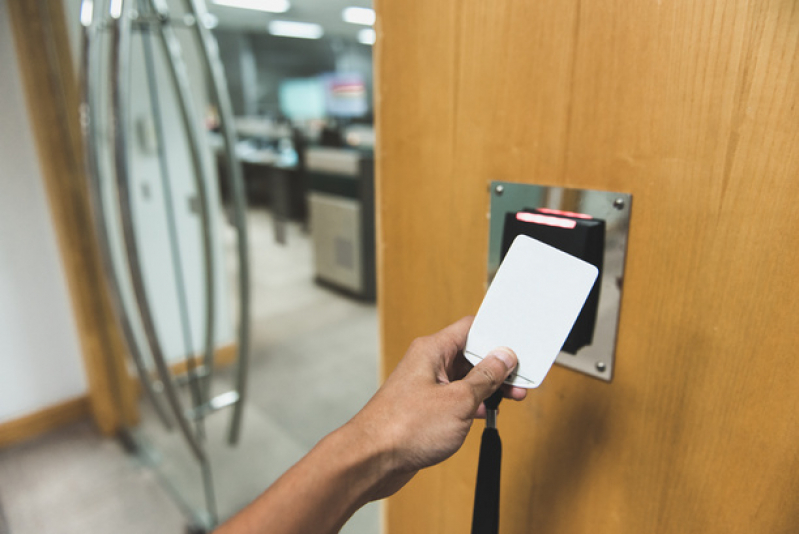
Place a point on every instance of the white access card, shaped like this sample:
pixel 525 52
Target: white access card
pixel 531 306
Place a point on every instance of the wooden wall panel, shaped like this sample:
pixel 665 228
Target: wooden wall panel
pixel 692 108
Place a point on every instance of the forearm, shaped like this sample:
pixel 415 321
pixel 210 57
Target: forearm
pixel 321 492
pixel 420 417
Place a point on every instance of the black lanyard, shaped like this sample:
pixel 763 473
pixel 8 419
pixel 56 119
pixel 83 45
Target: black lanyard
pixel 485 517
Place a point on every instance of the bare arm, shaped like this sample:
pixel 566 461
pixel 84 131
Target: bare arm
pixel 419 418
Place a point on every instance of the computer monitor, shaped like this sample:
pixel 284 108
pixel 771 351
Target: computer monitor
pixel 303 98
pixel 345 95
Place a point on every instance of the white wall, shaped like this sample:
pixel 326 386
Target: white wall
pixel 40 361
pixel 40 358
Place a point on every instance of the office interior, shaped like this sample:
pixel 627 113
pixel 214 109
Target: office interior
pixel 380 168
pixel 302 118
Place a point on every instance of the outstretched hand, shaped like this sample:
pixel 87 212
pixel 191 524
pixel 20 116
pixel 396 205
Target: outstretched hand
pixel 425 409
pixel 419 418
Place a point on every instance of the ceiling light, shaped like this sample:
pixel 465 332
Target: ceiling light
pixel 115 9
pixel 359 15
pixel 366 36
pixel 86 13
pixel 302 30
pixel 272 6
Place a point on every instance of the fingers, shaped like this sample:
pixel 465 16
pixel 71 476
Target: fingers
pixel 450 341
pixel 456 332
pixel 509 392
pixel 513 392
pixel 488 375
pixel 460 327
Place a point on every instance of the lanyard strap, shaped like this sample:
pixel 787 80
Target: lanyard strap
pixel 485 517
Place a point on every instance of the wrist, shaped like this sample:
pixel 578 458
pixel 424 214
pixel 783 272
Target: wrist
pixel 366 459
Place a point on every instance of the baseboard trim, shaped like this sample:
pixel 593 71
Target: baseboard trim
pixel 43 421
pixel 223 356
pixel 50 418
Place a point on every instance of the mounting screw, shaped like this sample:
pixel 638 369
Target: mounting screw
pixel 618 203
pixel 499 190
pixel 601 367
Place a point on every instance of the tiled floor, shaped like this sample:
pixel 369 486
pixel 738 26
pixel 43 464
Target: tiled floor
pixel 73 481
pixel 314 365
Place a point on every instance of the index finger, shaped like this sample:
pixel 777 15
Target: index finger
pixel 453 337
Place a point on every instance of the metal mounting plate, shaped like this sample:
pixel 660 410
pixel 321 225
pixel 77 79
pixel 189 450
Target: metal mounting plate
pixel 598 359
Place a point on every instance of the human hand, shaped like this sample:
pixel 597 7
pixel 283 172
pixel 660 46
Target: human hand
pixel 419 417
pixel 423 412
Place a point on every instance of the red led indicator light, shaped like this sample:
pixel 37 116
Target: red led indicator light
pixel 565 213
pixel 546 219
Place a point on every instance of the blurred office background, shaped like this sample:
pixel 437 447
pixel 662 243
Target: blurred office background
pixel 300 81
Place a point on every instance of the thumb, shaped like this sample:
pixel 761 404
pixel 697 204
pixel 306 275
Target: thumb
pixel 486 377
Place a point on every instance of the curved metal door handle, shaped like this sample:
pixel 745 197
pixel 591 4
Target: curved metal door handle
pixel 120 56
pixel 90 64
pixel 219 90
pixel 180 81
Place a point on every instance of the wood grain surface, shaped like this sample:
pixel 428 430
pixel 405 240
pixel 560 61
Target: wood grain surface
pixel 692 108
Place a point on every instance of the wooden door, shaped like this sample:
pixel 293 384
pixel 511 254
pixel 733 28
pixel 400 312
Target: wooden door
pixel 693 108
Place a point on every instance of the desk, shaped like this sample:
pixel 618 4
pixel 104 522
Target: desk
pixel 269 180
pixel 341 205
